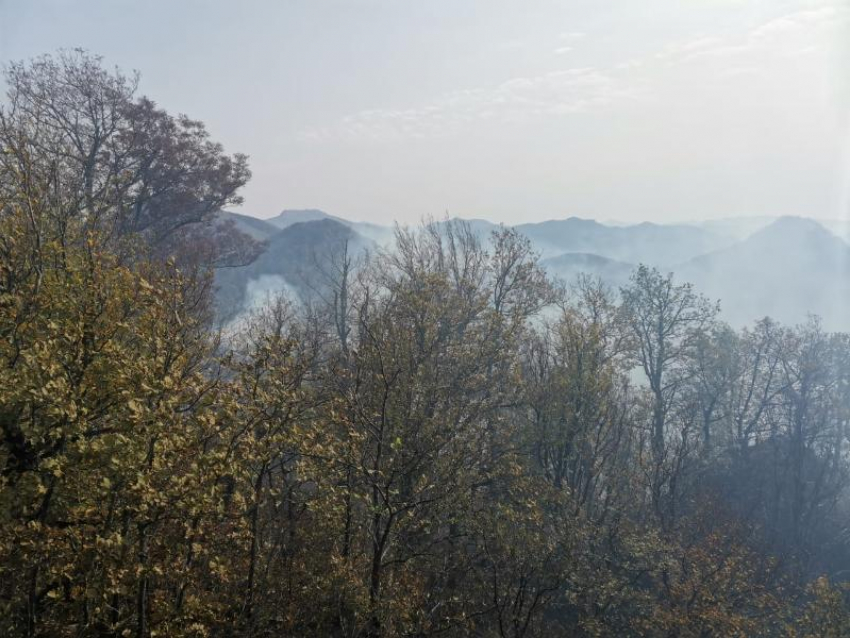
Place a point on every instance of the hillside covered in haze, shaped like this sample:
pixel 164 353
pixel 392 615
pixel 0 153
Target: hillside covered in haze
pixel 786 268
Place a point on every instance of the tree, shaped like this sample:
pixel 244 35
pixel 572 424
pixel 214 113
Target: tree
pixel 826 615
pixel 666 320
pixel 115 162
pixel 578 397
pixel 111 445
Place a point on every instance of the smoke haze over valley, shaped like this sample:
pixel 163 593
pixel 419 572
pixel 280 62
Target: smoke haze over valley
pixel 787 267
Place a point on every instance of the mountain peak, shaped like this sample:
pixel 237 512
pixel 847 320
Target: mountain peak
pixel 797 233
pixel 791 222
pixel 302 212
pixel 289 217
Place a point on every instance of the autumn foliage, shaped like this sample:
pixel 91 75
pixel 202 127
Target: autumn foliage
pixel 452 445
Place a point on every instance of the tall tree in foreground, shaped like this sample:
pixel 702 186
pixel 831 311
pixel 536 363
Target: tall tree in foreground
pixel 110 499
pixel 112 454
pixel 115 163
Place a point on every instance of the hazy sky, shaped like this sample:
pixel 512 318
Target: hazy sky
pixel 509 110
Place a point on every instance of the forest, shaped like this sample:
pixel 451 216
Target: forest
pixel 444 442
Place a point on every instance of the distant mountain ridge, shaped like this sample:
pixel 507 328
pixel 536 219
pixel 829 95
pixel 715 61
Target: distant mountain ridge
pixel 255 228
pixel 649 243
pixel 375 232
pixel 783 267
pixel 287 218
pixel 654 244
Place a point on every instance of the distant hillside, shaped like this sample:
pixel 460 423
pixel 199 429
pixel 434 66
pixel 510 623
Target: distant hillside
pixel 292 262
pixel 379 234
pixel 289 217
pixel 255 228
pixel 738 228
pixel 742 227
pixel 786 270
pixel 654 244
pixel 570 265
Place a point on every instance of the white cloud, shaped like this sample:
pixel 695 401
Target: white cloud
pixel 795 32
pixel 578 90
pixel 814 18
pixel 683 49
pixel 555 93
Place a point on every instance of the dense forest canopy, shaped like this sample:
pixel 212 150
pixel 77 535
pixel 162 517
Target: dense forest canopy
pixel 445 442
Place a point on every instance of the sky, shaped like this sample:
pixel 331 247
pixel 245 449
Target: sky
pixel 508 110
